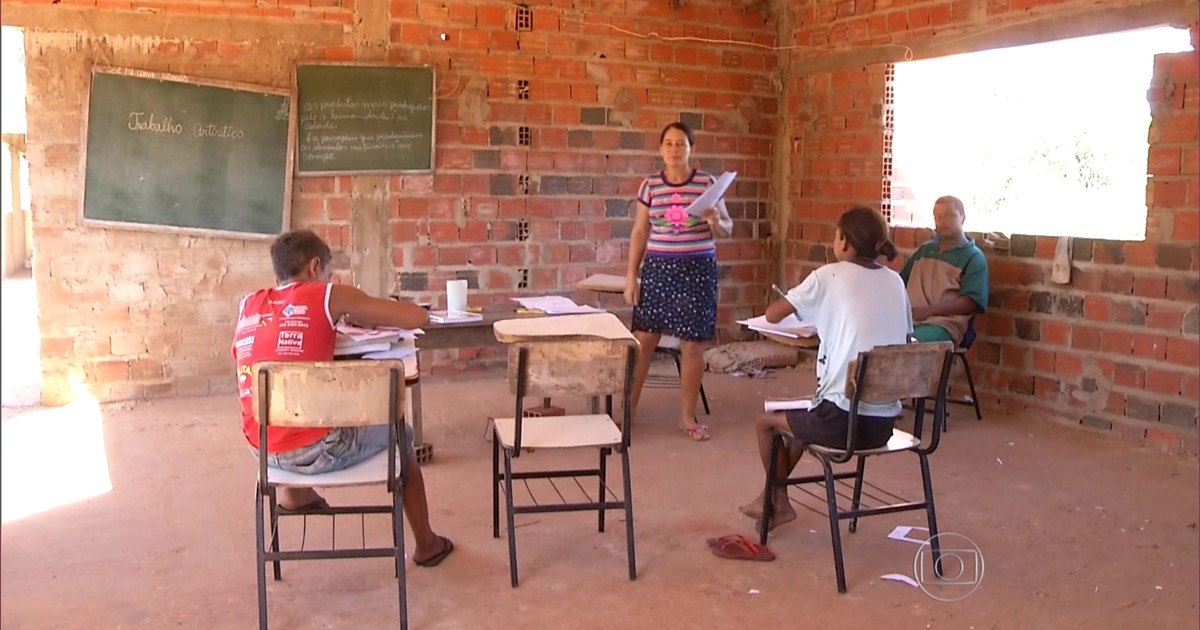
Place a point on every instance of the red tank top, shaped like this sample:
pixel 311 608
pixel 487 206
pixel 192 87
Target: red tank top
pixel 287 323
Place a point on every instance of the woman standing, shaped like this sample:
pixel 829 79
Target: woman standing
pixel 677 258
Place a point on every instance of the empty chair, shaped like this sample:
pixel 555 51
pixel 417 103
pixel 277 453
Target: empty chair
pixel 591 367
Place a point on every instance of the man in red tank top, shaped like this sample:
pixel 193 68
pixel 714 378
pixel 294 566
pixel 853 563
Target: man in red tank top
pixel 295 322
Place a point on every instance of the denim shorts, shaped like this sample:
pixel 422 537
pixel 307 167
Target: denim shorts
pixel 341 448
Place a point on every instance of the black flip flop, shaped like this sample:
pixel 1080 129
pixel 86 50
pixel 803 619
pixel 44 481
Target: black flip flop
pixel 447 547
pixel 319 504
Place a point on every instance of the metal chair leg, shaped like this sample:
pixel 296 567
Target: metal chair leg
pixel 835 530
pixel 512 532
pixel 857 498
pixel 931 513
pixel 971 385
pixel 260 539
pixel 704 398
pixel 401 577
pixel 768 506
pixel 601 495
pixel 278 573
pixel 629 546
pixel 495 486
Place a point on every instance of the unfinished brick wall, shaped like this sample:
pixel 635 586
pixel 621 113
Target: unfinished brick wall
pixel 1116 349
pixel 140 314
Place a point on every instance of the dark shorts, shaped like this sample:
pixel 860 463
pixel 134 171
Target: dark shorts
pixel 827 425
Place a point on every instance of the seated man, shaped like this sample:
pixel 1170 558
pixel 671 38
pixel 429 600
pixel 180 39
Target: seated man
pixel 295 322
pixel 947 277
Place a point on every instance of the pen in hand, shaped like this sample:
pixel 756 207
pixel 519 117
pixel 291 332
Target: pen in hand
pixel 779 292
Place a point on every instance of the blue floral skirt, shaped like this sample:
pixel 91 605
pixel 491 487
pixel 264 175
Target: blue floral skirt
pixel 678 297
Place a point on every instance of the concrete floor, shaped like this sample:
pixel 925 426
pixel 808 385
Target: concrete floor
pixel 140 516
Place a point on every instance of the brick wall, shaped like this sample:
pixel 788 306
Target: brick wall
pixel 1116 350
pixel 141 314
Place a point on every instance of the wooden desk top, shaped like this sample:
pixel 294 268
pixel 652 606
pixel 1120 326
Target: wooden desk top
pixel 603 325
pixel 491 314
pixel 602 283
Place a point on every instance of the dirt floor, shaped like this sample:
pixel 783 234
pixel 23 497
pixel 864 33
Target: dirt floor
pixel 141 516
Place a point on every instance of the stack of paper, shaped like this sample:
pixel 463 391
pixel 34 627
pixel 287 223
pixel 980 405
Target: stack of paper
pixel 556 305
pixel 712 195
pixel 790 326
pixel 358 340
pixel 455 317
pixel 784 405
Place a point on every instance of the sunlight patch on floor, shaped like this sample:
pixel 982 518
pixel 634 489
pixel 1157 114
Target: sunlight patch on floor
pixel 52 457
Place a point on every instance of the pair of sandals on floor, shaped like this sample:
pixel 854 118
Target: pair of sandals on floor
pixel 320 505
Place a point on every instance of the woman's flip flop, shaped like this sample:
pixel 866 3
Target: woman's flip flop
pixel 698 432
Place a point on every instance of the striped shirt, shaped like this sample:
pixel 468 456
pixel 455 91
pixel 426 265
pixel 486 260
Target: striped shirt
pixel 674 232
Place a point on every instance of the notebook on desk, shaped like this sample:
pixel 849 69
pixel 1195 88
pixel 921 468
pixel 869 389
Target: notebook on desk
pixel 456 317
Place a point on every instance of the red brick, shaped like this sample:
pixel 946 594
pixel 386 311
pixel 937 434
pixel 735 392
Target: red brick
pixel 1130 375
pixel 1190 386
pixel 448 255
pixel 1147 346
pixel 1163 381
pixel 1141 254
pixel 1116 403
pixel 1068 365
pixel 1043 360
pixel 1116 341
pixel 1015 356
pixel 424 257
pixel 1183 351
pixel 1085 338
pixel 489 16
pixel 1164 161
pixel 1165 315
pixel 1187 226
pixel 1165 439
pixel 1056 332
pixel 339 208
pixel 1149 286
pixel 1168 194
pixel 338 53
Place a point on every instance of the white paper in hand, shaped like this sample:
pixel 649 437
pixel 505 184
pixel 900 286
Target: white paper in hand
pixel 712 195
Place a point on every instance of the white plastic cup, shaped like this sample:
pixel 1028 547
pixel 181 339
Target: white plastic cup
pixel 456 296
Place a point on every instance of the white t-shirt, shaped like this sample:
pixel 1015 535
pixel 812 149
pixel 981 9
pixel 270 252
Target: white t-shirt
pixel 854 309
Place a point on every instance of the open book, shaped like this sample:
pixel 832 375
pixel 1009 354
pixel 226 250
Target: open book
pixel 790 326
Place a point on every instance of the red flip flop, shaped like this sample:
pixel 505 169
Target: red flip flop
pixel 742 548
pixel 713 542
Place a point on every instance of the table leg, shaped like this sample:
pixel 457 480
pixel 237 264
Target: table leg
pixel 424 451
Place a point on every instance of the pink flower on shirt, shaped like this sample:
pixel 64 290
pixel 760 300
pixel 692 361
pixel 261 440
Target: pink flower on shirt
pixel 676 213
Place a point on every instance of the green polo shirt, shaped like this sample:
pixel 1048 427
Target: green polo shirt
pixel 933 276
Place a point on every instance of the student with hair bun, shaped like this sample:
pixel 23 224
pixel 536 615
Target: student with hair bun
pixel 856 304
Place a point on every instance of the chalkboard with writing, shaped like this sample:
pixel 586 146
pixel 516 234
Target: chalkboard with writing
pixel 176 154
pixel 364 119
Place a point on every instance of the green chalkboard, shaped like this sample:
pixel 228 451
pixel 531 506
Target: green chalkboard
pixel 364 119
pixel 171 153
